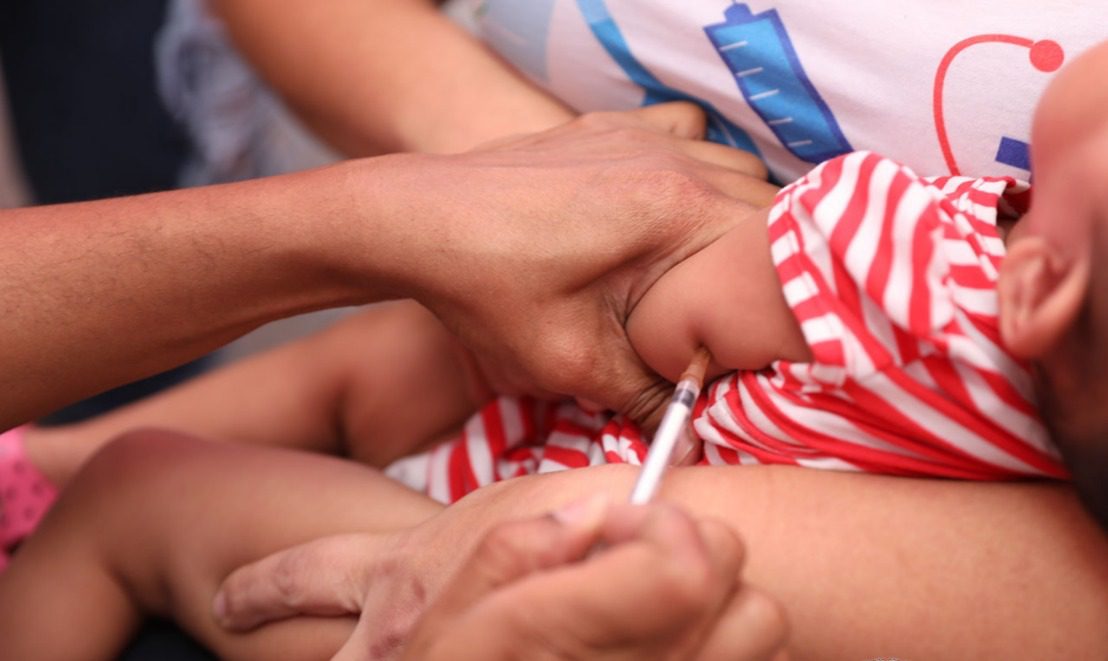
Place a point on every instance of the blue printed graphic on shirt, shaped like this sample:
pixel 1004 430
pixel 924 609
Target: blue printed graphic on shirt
pixel 1015 153
pixel 519 31
pixel 604 28
pixel 757 50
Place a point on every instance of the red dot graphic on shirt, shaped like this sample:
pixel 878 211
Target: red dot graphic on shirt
pixel 1046 55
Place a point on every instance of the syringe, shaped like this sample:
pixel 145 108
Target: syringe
pixel 671 430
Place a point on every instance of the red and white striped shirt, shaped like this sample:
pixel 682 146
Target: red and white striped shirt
pixel 893 280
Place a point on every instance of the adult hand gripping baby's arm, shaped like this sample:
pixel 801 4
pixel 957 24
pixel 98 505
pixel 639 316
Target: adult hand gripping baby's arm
pixel 542 301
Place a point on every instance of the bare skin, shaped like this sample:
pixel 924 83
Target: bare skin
pixel 349 75
pixel 201 267
pixel 681 313
pixel 1044 509
pixel 346 391
pixel 1041 291
pixel 1043 554
pixel 1053 283
pixel 126 539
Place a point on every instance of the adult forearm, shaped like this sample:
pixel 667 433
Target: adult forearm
pixel 100 293
pixel 592 213
pixel 871 566
pixel 386 75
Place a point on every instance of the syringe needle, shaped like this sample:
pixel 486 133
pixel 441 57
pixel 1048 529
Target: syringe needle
pixel 670 430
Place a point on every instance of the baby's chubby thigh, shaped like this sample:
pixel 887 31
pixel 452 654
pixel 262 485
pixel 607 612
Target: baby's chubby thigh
pixel 176 514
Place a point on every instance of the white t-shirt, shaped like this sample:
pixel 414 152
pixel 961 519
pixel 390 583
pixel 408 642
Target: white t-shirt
pixel 944 86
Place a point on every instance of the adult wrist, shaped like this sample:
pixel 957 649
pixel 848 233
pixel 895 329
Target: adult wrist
pixel 365 232
pixel 415 226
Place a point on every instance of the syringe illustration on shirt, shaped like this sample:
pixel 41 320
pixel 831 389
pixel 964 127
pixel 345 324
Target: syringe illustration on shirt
pixel 607 32
pixel 758 52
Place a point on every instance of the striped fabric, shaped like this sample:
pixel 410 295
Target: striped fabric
pixel 892 278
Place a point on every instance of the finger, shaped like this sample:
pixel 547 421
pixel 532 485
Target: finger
pixel 317 578
pixel 676 534
pixel 361 645
pixel 754 192
pixel 723 546
pixel 752 627
pixel 736 160
pixel 747 624
pixel 687 120
pixel 515 549
pixel 680 118
pixel 694 549
pixel 701 560
pixel 654 555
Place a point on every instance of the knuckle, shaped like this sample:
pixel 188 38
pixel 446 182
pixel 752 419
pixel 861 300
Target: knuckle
pixel 683 185
pixel 286 582
pixel 687 589
pixel 501 546
pixel 626 133
pixel 723 539
pixel 390 637
pixel 658 190
pixel 674 191
pixel 515 548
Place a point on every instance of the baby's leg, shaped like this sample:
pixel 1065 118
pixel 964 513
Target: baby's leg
pixel 157 519
pixel 374 386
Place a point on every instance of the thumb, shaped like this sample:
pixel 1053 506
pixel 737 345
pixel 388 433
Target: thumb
pixel 681 118
pixel 317 578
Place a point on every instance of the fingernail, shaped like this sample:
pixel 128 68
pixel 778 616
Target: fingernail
pixel 583 513
pixel 219 608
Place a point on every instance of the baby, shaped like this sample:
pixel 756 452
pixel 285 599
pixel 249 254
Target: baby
pixel 859 330
pixel 875 321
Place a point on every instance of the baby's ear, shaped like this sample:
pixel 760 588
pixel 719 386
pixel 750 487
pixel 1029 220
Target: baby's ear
pixel 1040 294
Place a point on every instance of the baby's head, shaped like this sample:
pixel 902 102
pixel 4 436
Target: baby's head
pixel 1054 281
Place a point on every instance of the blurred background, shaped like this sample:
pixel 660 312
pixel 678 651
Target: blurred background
pixel 101 98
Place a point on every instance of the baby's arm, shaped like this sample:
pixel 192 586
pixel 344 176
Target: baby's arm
pixel 871 566
pixel 728 298
pixel 376 386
